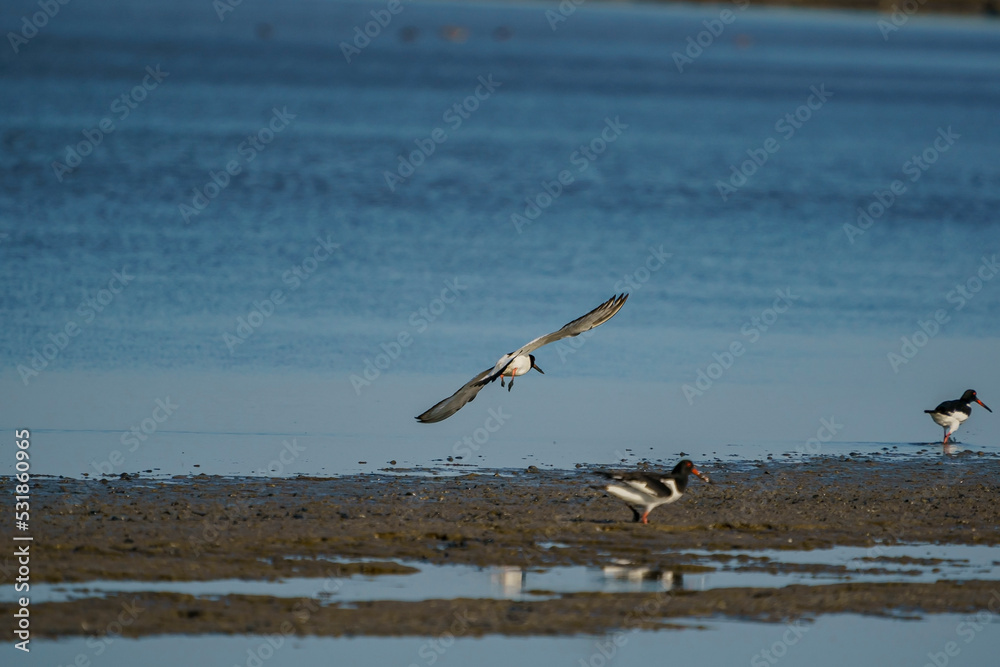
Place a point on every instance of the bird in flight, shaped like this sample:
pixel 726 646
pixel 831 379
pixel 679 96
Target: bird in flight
pixel 950 414
pixel 520 361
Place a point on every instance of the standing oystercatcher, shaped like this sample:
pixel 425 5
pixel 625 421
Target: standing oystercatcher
pixel 520 361
pixel 951 414
pixel 649 490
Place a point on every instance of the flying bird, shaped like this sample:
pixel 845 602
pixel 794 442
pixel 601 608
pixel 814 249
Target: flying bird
pixel 520 361
pixel 650 490
pixel 951 414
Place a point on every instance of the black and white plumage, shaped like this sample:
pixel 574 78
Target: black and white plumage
pixel 521 360
pixel 650 490
pixel 950 414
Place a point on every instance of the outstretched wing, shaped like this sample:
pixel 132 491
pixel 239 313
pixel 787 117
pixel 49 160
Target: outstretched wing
pixel 454 403
pixel 596 317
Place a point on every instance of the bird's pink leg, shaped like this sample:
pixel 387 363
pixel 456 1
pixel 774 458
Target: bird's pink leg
pixel 645 516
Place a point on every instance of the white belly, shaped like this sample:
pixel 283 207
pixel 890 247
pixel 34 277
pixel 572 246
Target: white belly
pixel 520 365
pixel 950 422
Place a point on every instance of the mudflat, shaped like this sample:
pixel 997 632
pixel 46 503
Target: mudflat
pixel 204 528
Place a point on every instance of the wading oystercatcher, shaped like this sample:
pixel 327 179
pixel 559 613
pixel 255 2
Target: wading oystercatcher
pixel 950 414
pixel 650 490
pixel 520 361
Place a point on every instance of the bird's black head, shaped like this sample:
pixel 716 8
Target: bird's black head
pixel 531 357
pixel 685 468
pixel 970 397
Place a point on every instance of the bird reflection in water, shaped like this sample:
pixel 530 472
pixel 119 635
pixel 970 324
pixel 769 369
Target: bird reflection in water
pixel 625 571
pixel 509 579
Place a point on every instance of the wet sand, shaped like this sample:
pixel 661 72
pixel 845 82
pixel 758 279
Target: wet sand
pixel 202 528
pixel 576 613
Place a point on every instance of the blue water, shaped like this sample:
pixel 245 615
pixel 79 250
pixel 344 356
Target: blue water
pixel 155 375
pixel 829 641
pixel 645 215
pixel 434 582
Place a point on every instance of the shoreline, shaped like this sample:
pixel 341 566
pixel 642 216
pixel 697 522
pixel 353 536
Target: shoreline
pixel 134 528
pixel 206 528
